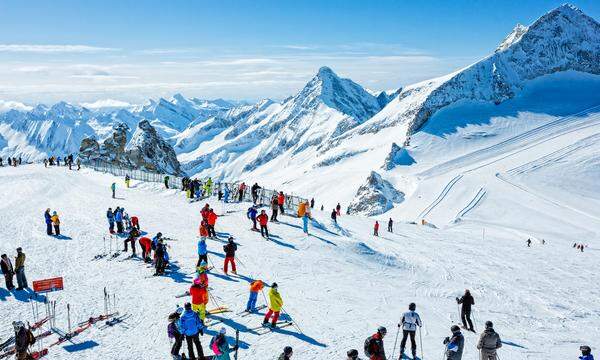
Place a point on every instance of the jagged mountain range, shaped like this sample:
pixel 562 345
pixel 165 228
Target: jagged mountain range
pixel 330 122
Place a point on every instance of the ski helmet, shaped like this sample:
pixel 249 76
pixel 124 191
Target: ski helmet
pixel 352 354
pixel 222 331
pixel 17 325
pixel 287 350
pixel 202 263
pixel 274 285
pixel 197 281
pixel 188 306
pixel 585 350
pixel 489 324
pixel 159 234
pixel 382 330
pixel 412 306
pixel 230 239
pixel 454 328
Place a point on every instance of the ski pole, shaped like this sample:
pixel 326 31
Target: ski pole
pixel 69 316
pixel 458 310
pixel 292 320
pixel 421 343
pixel 395 342
pixel 237 342
pixel 474 322
pixel 105 307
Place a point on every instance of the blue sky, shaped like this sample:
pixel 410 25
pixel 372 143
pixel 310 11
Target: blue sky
pixel 84 51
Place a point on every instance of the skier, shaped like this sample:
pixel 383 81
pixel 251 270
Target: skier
pixel 111 220
pixel 8 271
pixel 465 312
pixel 254 190
pixel 528 242
pixel 56 223
pixel 301 209
pixel 352 354
pixel 241 192
pixel 175 334
pixel 48 219
pixel 489 342
pixel 263 220
pixel 376 228
pixel 24 338
pixel 20 270
pixel 133 234
pixel 212 220
pixel 201 271
pixel 586 353
pixel 286 354
pixel 155 241
pixel 191 327
pixel 113 188
pixel 119 219
pixel 204 212
pixel 202 251
pixel 274 208
pixel 281 202
pixel 255 287
pixel 159 258
pixel 391 225
pixel 219 345
pixel 208 187
pixel 199 294
pixel 410 321
pixel 45 162
pixel 167 181
pixel 312 203
pixel 78 164
pixel 338 209
pixel 334 216
pixel 305 223
pixel 135 222
pixel 146 245
pixel 230 250
pixel 127 180
pixel 251 214
pixel 454 344
pixel 276 304
pixel 226 194
pixel 203 229
pixel 374 348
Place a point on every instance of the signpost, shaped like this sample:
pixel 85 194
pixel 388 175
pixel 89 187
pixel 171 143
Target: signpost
pixel 48 285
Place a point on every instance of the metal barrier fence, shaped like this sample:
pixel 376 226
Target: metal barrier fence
pixel 176 182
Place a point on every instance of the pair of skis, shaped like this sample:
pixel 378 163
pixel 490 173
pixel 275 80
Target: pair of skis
pixel 268 328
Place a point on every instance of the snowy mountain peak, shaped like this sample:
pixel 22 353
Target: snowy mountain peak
pixel 513 37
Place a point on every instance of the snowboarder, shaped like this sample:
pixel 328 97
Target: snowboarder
pixel 286 354
pixel 334 216
pixel 338 209
pixel 254 190
pixel 113 188
pixel 465 311
pixel 20 269
pixel 391 225
pixel 174 333
pixel 374 348
pixel 275 306
pixel 263 220
pixel 191 327
pixel 255 287
pixel 376 228
pixel 56 223
pixel 251 214
pixel 274 208
pixel 48 219
pixel 24 338
pixel 219 345
pixel 281 202
pixel 586 353
pixel 8 271
pixel 410 321
pixel 166 182
pixel 111 220
pixel 211 220
pixel 127 180
pixel 352 354
pixel 489 342
pixel 146 245
pixel 528 242
pixel 199 294
pixel 230 250
pixel 202 251
pixel 454 344
pixel 305 223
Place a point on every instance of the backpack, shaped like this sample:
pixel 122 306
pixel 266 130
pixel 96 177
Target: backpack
pixel 368 343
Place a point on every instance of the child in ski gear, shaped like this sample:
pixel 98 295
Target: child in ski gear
pixel 174 333
pixel 376 228
pixel 352 354
pixel 199 294
pixel 56 223
pixel 251 214
pixel 113 188
pixel 191 327
pixel 8 271
pixel 286 354
pixel 226 194
pixel 230 250
pixel 489 342
pixel 410 321
pixel 201 272
pixel 390 225
pixel 202 251
pixel 20 270
pixel 255 287
pixel 203 229
pixel 454 344
pixel 119 219
pixel 146 245
pixel 276 303
pixel 48 219
pixel 263 220
pixel 111 220
pixel 305 223
pixel 465 311
pixel 219 345
pixel 374 348
pixel 586 353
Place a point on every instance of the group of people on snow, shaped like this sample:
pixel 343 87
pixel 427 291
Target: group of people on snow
pixel 68 160
pixel 11 161
pixel 52 222
pixel 9 270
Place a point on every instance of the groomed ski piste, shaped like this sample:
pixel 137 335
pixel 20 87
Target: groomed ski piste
pixel 338 284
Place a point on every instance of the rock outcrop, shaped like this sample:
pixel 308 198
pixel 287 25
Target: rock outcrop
pixel 375 196
pixel 397 156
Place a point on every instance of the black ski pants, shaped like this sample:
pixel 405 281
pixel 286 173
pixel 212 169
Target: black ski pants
pixel 202 257
pixel 8 278
pixel 191 341
pixel 413 343
pixel 465 315
pixel 274 215
pixel 211 231
pixel 132 241
pixel 264 231
pixel 177 345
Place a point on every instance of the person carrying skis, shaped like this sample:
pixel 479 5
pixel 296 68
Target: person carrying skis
pixel 586 353
pixel 254 190
pixel 113 188
pixel 465 311
pixel 202 251
pixel 274 208
pixel 376 228
pixel 305 219
pixel 255 287
pixel 20 270
pixel 281 202
pixel 199 294
pixel 219 345
pixel 127 180
pixel 390 225
pixel 211 220
pixel 111 220
pixel 251 214
pixel 230 250
pixel 338 209
pixel 56 223
pixel 275 306
pixel 191 327
pixel 410 321
pixel 48 219
pixel 146 245
pixel 263 220
pixel 489 342
pixel 24 338
pixel 374 348
pixel 174 333
pixel 286 354
pixel 454 344
pixel 8 271
pixel 352 354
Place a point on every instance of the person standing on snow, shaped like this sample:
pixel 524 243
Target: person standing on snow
pixel 211 219
pixel 127 180
pixel 159 257
pixel 255 287
pixel 465 312
pixel 174 333
pixel 305 219
pixel 338 209
pixel 230 250
pixel 191 327
pixel 20 270
pixel 241 192
pixel 312 203
pixel 56 223
pixel 275 306
pixel 374 348
pixel 48 219
pixel 376 228
pixel 454 344
pixel 390 225
pixel 135 222
pixel 274 208
pixel 225 194
pixel 199 294
pixel 263 220
pixel 251 214
pixel 410 321
pixel 286 354
pixel 219 345
pixel 8 271
pixel 281 202
pixel 133 234
pixel 166 182
pixel 254 190
pixel 489 342
pixel 202 251
pixel 113 187
pixel 110 216
pixel 586 353
pixel 119 219
pixel 352 354
pixel 201 271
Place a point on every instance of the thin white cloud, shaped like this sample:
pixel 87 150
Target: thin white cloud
pixel 30 48
pixel 13 105
pixel 106 103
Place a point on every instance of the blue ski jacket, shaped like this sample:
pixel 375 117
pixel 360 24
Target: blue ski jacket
pixel 190 323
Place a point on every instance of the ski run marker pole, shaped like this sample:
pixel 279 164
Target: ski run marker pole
pixel 395 343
